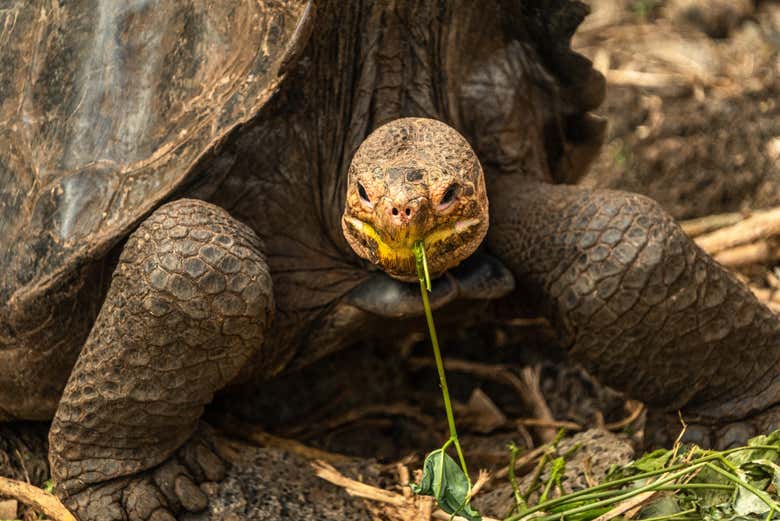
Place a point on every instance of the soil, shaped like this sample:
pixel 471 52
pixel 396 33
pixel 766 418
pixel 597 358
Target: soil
pixel 698 129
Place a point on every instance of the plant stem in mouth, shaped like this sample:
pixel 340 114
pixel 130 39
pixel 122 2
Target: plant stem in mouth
pixel 425 287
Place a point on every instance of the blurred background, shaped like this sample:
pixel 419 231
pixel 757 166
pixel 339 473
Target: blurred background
pixel 693 101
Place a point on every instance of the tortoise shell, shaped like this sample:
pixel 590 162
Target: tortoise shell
pixel 107 107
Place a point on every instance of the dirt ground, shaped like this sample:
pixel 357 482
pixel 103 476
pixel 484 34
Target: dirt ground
pixel 694 109
pixel 694 120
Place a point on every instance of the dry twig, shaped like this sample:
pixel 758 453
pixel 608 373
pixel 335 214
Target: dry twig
pixel 406 508
pixel 626 505
pixel 35 497
pixel 710 223
pixel 482 479
pixel 636 409
pixel 759 252
pixel 261 438
pixel 360 413
pixel 526 385
pixel 403 479
pixel 552 424
pixel 631 78
pixel 758 226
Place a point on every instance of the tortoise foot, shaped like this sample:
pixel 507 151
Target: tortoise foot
pixel 188 307
pixel 164 493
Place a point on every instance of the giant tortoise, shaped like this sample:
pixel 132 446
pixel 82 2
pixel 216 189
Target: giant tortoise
pixel 198 194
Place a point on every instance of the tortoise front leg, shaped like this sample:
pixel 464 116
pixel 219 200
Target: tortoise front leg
pixel 640 305
pixel 188 305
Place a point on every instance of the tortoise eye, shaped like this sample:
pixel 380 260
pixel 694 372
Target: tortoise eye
pixel 449 195
pixel 362 193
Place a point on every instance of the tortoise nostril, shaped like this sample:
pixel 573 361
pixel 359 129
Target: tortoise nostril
pixel 408 212
pixel 395 211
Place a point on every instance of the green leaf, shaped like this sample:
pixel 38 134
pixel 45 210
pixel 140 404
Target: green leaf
pixel 771 469
pixel 651 461
pixel 738 458
pixel 757 473
pixel 443 479
pixel 661 505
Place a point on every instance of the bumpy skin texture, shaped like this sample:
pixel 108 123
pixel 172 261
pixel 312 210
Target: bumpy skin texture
pixel 189 303
pixel 638 302
pixel 31 341
pixel 415 179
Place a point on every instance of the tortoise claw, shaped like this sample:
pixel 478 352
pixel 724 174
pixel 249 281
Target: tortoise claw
pixel 159 494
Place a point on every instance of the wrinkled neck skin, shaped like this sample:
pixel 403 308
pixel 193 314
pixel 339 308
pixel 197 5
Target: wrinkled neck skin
pixel 367 63
pixel 376 61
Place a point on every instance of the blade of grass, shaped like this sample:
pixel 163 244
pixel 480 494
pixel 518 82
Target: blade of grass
pixel 520 504
pixel 425 267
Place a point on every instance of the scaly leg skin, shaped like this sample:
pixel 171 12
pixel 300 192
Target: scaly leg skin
pixel 642 307
pixel 188 305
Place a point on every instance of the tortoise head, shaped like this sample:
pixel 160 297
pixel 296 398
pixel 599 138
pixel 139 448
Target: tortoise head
pixel 411 180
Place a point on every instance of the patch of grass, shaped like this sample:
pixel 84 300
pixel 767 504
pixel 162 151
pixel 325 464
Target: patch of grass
pixel 677 484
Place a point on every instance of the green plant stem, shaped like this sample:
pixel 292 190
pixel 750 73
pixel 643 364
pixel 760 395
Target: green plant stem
pixel 589 493
pixel 424 288
pixel 612 493
pixel 763 496
pixel 520 504
pixel 546 490
pixel 535 477
pixel 541 464
pixel 610 501
pixel 442 377
pixel 627 495
pixel 697 486
pixel 558 465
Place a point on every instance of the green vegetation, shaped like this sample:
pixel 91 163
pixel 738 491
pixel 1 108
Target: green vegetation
pixel 682 483
pixel 442 478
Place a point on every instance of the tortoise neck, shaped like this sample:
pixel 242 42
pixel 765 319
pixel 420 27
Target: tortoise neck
pixel 369 62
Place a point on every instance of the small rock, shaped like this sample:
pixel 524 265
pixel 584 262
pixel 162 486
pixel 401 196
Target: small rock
pixel 773 148
pixel 8 508
pixel 482 413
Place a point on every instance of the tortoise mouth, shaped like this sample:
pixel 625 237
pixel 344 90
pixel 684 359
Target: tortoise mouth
pixel 480 277
pixel 446 245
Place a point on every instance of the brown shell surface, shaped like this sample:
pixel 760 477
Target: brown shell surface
pixel 105 108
